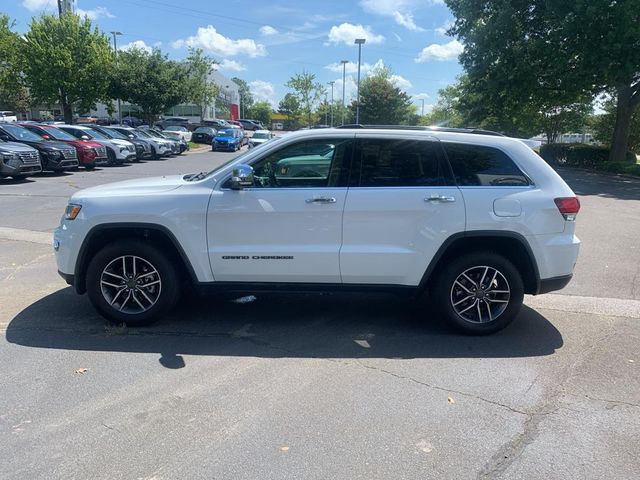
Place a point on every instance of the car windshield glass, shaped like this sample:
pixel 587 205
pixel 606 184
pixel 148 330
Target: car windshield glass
pixel 203 130
pixel 58 134
pixel 226 133
pixel 115 134
pixel 21 133
pixel 156 133
pixel 175 128
pixel 260 135
pixel 142 133
pixel 95 134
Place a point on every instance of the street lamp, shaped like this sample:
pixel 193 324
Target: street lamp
pixel 331 107
pixel 115 49
pixel 344 70
pixel 359 42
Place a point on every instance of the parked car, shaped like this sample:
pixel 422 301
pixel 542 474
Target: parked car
pixel 249 125
pixel 55 156
pixel 90 153
pixel 229 139
pixel 168 121
pixel 143 147
pixel 118 151
pixel 132 121
pixel 18 160
pixel 159 147
pixel 477 221
pixel 177 131
pixel 217 123
pixel 8 116
pixel 177 144
pixel 259 137
pixel 204 135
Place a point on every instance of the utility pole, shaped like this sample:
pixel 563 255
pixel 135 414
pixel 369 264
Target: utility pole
pixel 65 6
pixel 344 70
pixel 359 42
pixel 331 107
pixel 422 114
pixel 115 49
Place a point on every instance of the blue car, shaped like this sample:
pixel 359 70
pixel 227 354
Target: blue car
pixel 229 140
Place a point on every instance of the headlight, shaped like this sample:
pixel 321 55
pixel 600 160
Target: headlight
pixel 72 211
pixel 53 153
pixel 11 159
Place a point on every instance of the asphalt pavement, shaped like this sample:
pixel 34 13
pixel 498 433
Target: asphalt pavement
pixel 317 386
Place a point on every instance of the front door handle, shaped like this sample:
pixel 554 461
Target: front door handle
pixel 440 199
pixel 321 200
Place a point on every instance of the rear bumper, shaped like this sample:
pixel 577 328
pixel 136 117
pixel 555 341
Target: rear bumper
pixel 547 285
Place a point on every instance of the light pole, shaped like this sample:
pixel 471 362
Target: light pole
pixel 115 49
pixel 331 107
pixel 422 114
pixel 344 70
pixel 359 42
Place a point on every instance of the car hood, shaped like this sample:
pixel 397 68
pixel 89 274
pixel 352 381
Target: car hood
pixel 15 147
pixel 120 142
pixel 140 186
pixel 224 137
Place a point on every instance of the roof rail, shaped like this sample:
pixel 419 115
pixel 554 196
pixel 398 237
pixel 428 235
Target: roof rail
pixel 476 131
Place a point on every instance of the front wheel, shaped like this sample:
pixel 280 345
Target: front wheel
pixel 479 293
pixel 131 282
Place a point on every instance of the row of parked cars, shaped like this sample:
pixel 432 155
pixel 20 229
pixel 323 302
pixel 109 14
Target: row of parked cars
pixel 27 148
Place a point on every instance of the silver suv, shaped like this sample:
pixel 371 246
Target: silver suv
pixel 18 160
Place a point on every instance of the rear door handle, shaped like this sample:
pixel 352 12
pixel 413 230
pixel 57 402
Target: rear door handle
pixel 440 199
pixel 321 200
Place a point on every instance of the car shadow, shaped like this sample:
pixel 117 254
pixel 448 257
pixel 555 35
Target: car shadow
pixel 584 182
pixel 275 326
pixel 54 173
pixel 17 181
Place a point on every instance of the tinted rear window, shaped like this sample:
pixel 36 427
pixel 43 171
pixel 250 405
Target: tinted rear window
pixel 475 165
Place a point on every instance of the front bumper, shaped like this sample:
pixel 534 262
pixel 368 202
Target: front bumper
pixel 547 285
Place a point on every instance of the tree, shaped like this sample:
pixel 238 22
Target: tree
pixel 66 61
pixel 446 112
pixel 604 124
pixel 199 90
pixel 553 54
pixel 13 91
pixel 290 106
pixel 307 91
pixel 381 102
pixel 246 97
pixel 149 80
pixel 261 111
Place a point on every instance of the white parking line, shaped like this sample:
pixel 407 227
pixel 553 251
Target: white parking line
pixel 615 307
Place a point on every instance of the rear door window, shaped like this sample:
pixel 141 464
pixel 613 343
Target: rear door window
pixel 399 163
pixel 482 166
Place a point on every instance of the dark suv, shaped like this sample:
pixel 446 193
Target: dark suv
pixel 56 156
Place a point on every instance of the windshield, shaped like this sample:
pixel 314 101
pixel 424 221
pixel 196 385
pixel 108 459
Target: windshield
pixel 21 133
pixel 142 133
pixel 203 130
pixel 261 135
pixel 226 133
pixel 95 134
pixel 156 133
pixel 175 128
pixel 57 134
pixel 115 134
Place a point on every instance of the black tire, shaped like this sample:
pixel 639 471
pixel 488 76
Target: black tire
pixel 89 167
pixel 154 153
pixel 504 306
pixel 111 158
pixel 165 296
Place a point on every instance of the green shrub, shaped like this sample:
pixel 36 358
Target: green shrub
pixel 580 155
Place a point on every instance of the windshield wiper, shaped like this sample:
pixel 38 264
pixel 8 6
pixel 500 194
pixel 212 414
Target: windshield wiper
pixel 197 176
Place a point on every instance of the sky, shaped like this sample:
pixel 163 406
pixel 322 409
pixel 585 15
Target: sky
pixel 265 42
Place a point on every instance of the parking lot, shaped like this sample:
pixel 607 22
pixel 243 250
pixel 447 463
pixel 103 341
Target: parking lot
pixel 317 386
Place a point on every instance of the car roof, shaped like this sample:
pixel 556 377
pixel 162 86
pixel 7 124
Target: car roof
pixel 261 131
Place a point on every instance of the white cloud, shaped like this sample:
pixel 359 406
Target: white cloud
pixel 139 44
pixel 440 52
pixel 351 67
pixel 442 29
pixel 210 40
pixel 350 89
pixel 268 30
pixel 263 91
pixel 421 96
pixel 400 10
pixel 346 33
pixel 401 82
pixel 230 65
pixel 95 13
pixel 37 5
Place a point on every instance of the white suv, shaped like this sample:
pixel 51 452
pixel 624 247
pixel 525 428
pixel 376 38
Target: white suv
pixel 477 220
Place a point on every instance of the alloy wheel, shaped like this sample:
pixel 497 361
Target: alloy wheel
pixel 130 284
pixel 480 294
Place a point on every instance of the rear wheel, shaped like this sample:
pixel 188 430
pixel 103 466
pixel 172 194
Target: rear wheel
pixel 479 293
pixel 131 282
pixel 154 153
pixel 89 167
pixel 111 158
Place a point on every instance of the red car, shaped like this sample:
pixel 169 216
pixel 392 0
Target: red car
pixel 90 154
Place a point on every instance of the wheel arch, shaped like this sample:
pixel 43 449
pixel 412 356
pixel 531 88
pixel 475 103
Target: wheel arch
pixel 510 244
pixel 157 235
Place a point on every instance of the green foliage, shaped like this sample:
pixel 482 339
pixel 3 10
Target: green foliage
pixel 261 111
pixel 13 92
pixel 537 56
pixel 307 91
pixel 200 91
pixel 290 106
pixel 381 102
pixel 149 80
pixel 603 125
pixel 246 97
pixel 446 112
pixel 66 61
pixel 580 155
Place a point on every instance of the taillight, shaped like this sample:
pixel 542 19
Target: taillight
pixel 568 206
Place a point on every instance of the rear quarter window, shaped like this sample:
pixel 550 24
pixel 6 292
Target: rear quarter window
pixel 482 166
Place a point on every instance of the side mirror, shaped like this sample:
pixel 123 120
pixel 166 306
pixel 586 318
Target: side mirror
pixel 131 136
pixel 4 137
pixel 85 137
pixel 241 177
pixel 46 137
